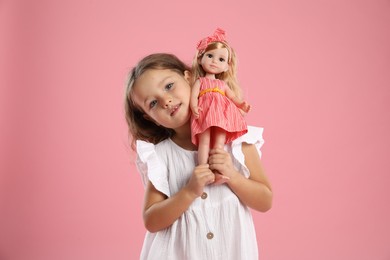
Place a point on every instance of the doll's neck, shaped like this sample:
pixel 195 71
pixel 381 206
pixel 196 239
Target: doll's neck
pixel 210 76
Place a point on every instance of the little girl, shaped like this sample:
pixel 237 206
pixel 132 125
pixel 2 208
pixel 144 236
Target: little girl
pixel 186 217
pixel 215 99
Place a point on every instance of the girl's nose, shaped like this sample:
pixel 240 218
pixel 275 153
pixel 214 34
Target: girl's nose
pixel 167 102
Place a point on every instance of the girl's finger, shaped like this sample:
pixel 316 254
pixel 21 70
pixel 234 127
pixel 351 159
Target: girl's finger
pixel 202 167
pixel 216 161
pixel 210 179
pixel 217 151
pixel 217 155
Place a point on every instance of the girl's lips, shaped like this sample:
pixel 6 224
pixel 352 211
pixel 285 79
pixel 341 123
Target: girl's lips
pixel 175 109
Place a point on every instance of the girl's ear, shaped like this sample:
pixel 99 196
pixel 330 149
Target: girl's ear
pixel 187 75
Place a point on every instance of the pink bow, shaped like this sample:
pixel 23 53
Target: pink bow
pixel 218 36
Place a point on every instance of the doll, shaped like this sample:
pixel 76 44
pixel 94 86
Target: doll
pixel 217 108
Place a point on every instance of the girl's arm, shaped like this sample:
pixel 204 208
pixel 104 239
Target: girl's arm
pixel 255 191
pixel 161 211
pixel 194 98
pixel 243 105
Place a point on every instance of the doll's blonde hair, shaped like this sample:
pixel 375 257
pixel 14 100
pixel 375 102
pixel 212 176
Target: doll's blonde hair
pixel 139 127
pixel 229 76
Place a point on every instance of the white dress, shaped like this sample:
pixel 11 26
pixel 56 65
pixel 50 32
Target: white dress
pixel 216 225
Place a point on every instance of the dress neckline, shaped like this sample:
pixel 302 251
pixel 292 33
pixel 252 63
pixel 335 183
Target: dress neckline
pixel 181 148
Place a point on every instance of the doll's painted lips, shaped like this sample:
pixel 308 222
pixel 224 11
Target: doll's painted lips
pixel 175 109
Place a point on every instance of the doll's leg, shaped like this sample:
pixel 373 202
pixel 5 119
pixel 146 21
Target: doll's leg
pixel 204 147
pixel 219 137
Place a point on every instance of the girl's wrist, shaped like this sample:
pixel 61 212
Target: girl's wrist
pixel 235 178
pixel 189 193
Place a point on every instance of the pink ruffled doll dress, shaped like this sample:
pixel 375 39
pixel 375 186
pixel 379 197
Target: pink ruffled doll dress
pixel 217 110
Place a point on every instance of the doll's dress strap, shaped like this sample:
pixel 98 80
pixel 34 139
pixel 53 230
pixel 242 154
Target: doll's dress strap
pixel 151 168
pixel 210 86
pixel 253 136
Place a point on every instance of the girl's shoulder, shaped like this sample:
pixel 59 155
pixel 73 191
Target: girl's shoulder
pixel 253 136
pixel 150 165
pixel 145 148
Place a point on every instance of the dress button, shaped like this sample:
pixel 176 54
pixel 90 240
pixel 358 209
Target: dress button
pixel 210 235
pixel 204 195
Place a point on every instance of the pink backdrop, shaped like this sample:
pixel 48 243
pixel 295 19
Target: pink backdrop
pixel 316 72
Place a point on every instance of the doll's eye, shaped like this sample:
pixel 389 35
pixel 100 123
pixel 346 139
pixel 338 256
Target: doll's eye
pixel 153 103
pixel 221 59
pixel 209 55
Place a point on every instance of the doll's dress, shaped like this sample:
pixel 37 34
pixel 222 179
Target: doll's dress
pixel 217 110
pixel 218 211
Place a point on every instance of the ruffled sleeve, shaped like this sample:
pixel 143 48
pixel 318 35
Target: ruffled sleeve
pixel 253 136
pixel 151 168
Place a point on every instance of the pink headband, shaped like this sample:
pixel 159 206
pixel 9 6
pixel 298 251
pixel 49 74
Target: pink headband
pixel 218 36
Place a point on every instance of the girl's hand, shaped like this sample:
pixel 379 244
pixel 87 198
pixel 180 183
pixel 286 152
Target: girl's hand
pixel 201 177
pixel 221 161
pixel 245 106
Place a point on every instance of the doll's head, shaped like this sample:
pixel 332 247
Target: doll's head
pixel 204 47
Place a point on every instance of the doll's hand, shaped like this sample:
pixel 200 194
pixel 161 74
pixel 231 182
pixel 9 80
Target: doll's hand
pixel 220 161
pixel 201 176
pixel 245 106
pixel 196 110
pixel 220 179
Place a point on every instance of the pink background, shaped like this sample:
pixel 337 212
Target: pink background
pixel 316 72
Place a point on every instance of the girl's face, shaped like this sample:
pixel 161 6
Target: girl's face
pixel 164 96
pixel 215 61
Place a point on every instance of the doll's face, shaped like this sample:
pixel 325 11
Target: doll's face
pixel 215 61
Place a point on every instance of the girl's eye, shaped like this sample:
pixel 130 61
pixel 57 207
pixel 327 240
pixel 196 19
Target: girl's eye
pixel 169 86
pixel 153 103
pixel 209 55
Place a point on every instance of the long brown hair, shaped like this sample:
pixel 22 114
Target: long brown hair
pixel 229 76
pixel 139 127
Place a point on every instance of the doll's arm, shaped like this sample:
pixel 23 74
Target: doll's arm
pixel 241 104
pixel 194 98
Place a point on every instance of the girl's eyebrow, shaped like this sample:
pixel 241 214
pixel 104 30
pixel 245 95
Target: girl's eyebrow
pixel 162 82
